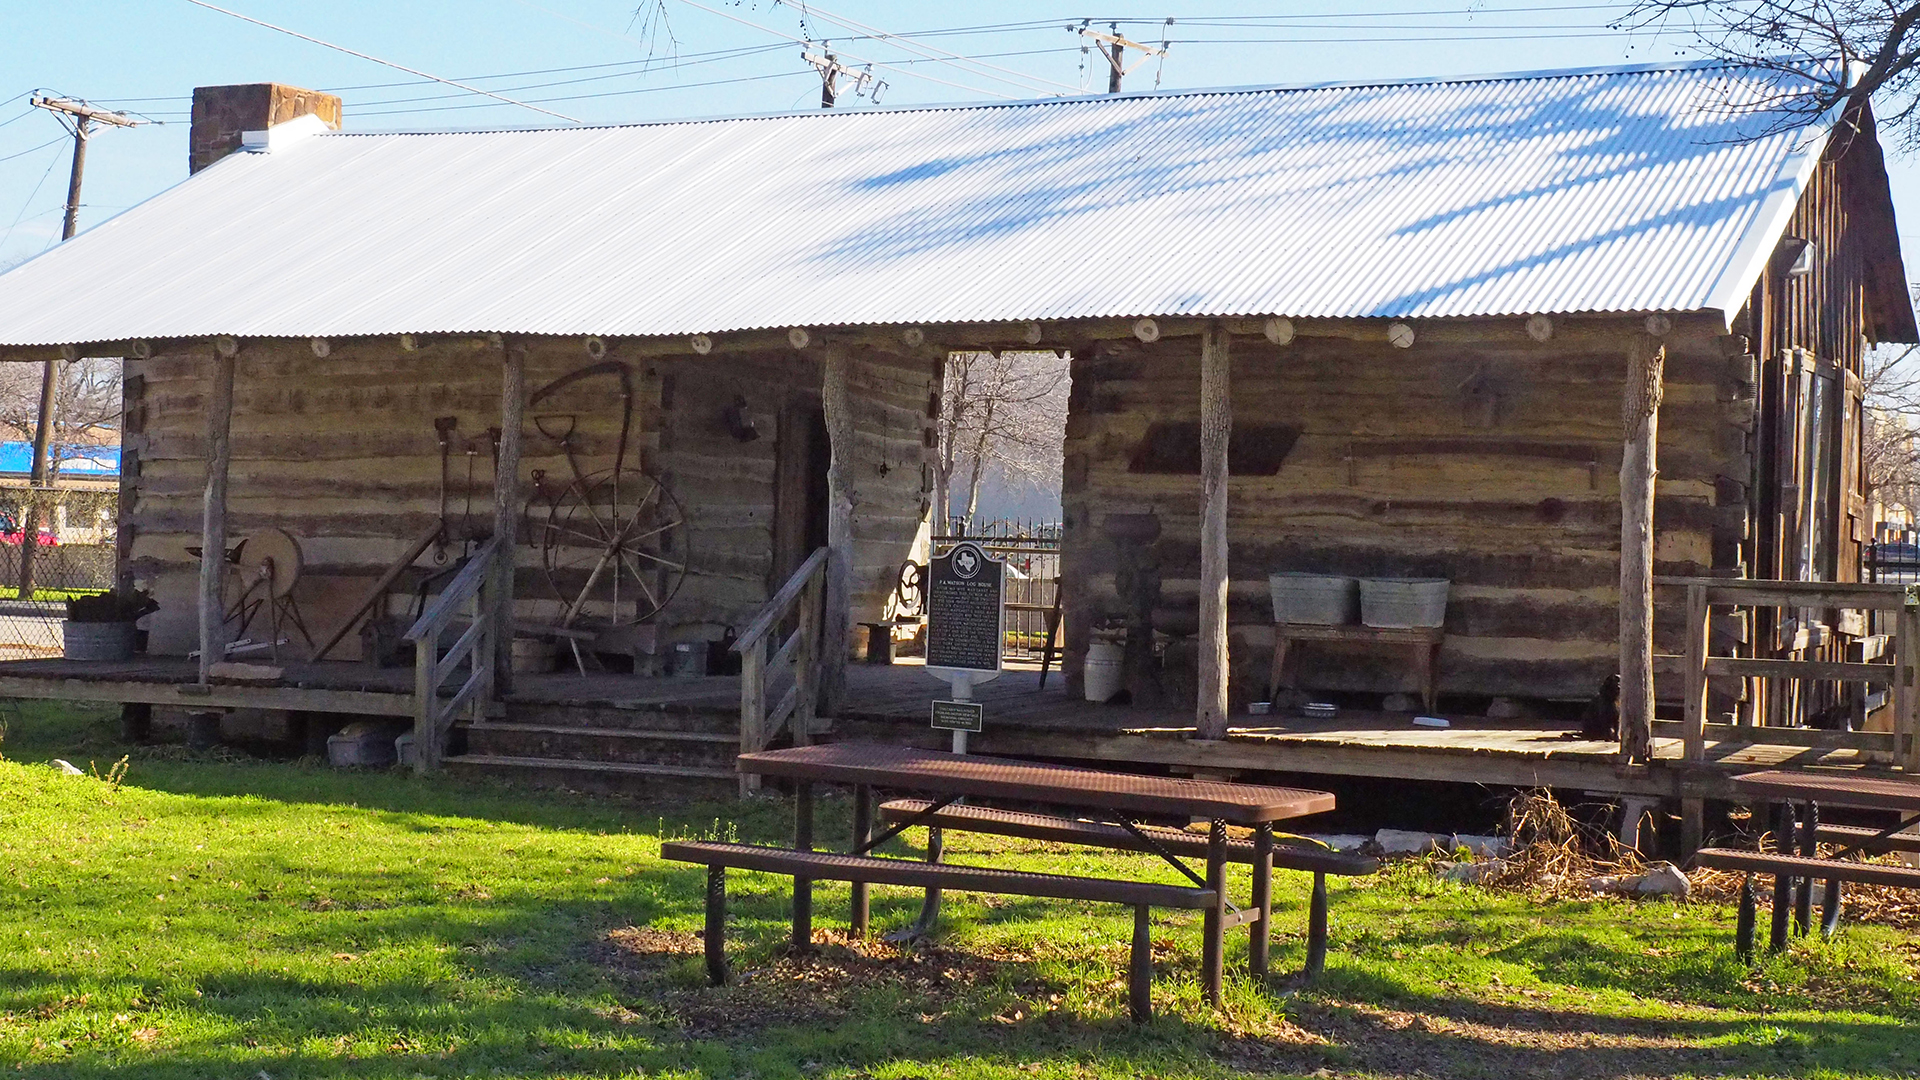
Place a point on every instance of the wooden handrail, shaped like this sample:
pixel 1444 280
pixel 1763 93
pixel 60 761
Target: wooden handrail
pixel 1758 592
pixel 1900 673
pixel 441 609
pixel 775 610
pixel 797 655
pixel 467 594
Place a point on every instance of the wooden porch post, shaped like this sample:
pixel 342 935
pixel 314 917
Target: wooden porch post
pixel 506 511
pixel 1216 426
pixel 837 402
pixel 213 508
pixel 1646 364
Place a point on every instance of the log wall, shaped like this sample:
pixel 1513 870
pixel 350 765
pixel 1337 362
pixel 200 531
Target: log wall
pixel 341 451
pixel 1477 455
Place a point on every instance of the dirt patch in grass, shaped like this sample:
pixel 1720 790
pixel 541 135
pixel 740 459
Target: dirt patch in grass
pixel 824 985
pixel 1500 1041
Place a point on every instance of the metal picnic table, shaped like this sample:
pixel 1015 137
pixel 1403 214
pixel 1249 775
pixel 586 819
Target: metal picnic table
pixel 1121 797
pixel 1795 798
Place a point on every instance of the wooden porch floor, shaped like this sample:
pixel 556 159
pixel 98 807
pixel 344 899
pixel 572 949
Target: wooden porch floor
pixel 891 703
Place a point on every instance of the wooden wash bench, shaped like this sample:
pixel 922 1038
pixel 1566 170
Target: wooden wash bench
pixel 1316 860
pixel 813 866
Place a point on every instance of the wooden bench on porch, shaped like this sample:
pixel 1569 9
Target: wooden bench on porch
pixel 1424 641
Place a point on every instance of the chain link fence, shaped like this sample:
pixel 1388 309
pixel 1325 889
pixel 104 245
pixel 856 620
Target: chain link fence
pixel 72 554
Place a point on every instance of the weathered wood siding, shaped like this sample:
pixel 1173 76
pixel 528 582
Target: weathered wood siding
pixel 341 451
pixel 1477 455
pixel 1830 314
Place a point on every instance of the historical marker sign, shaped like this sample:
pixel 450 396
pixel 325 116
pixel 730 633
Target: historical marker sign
pixel 965 589
pixel 959 715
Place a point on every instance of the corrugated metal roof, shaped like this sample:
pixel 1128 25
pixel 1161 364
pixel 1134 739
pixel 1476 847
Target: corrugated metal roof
pixel 1601 190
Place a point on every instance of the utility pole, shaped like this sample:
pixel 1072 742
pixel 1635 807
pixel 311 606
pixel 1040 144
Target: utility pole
pixel 1113 47
pixel 830 69
pixel 83 117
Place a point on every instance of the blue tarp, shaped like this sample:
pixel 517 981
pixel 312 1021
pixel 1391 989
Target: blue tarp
pixel 95 461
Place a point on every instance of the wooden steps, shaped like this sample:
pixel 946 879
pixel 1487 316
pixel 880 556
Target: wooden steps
pixel 606 776
pixel 628 750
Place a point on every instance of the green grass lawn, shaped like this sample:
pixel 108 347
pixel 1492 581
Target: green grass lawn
pixel 47 596
pixel 231 918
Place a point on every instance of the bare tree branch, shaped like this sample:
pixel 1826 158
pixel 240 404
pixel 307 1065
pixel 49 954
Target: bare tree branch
pixel 1004 411
pixel 1811 45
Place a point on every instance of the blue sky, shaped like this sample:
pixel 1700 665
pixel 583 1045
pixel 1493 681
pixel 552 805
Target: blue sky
pixel 147 55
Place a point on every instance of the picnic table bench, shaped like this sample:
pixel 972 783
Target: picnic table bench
pixel 1796 861
pixel 1160 840
pixel 950 777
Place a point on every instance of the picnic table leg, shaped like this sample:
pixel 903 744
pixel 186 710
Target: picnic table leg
pixel 929 907
pixel 1258 941
pixel 1317 927
pixel 1809 848
pixel 1743 925
pixel 1830 909
pixel 802 887
pixel 862 835
pixel 1140 967
pixel 716 929
pixel 1782 882
pixel 1213 948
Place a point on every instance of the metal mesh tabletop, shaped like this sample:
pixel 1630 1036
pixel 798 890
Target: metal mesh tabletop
pixel 1865 792
pixel 1007 778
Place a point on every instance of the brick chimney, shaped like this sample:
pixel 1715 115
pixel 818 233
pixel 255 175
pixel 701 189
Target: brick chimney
pixel 222 113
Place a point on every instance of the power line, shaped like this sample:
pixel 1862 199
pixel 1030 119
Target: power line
pixel 31 195
pixel 710 56
pixel 1393 40
pixel 861 59
pixel 1300 21
pixel 42 146
pixel 384 63
pixel 584 97
pixel 358 105
pixel 545 85
pixel 1037 25
pixel 902 41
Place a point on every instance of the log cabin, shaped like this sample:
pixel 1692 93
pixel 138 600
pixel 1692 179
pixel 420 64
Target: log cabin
pixel 1547 336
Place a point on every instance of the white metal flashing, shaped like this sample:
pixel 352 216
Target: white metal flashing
pixel 1729 295
pixel 281 136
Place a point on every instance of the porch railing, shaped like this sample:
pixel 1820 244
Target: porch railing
pixel 1871 660
pixel 466 597
pixel 794 662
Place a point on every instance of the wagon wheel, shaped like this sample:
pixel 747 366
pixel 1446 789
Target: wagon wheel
pixel 613 547
pixel 909 591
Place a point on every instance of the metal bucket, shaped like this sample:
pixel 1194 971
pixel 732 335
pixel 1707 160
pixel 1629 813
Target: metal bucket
pixel 1403 602
pixel 689 660
pixel 1320 599
pixel 532 656
pixel 99 640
